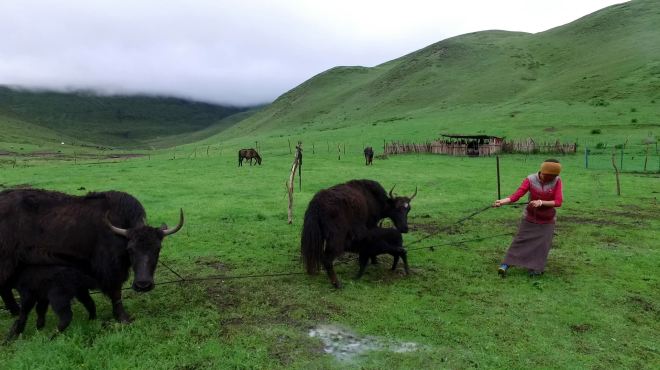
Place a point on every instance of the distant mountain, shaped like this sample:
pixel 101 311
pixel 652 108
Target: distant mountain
pixel 108 120
pixel 485 79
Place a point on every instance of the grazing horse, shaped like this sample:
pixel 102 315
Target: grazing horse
pixel 337 216
pixel 248 154
pixel 368 155
pixel 380 241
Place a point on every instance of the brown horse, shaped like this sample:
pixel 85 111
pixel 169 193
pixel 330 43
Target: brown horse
pixel 248 154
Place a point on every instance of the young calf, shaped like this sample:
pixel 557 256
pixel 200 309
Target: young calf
pixel 380 241
pixel 54 285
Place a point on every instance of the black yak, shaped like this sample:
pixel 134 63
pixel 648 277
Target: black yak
pixel 337 216
pixel 104 233
pixel 380 241
pixel 248 154
pixel 42 285
pixel 368 155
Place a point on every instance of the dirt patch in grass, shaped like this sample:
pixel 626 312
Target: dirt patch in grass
pixel 17 186
pixel 641 303
pixel 586 220
pixel 213 263
pixel 580 328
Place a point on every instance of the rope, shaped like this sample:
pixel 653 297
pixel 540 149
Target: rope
pixel 431 248
pixel 174 272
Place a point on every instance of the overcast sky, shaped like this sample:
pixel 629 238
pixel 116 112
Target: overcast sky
pixel 238 52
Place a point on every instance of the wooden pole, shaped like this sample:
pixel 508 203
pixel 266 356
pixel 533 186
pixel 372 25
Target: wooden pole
pixel 297 160
pixel 300 158
pixel 586 157
pixel 616 173
pixel 497 158
pixel 646 157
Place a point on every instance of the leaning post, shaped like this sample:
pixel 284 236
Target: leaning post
pixel 297 163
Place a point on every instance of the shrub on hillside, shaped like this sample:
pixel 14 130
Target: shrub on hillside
pixel 595 131
pixel 599 102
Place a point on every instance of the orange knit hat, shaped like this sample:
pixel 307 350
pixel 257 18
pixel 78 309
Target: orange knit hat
pixel 550 168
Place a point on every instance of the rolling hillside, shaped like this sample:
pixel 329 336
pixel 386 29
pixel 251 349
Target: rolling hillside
pixel 600 71
pixel 133 121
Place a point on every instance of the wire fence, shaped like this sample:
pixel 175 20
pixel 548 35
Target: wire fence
pixel 629 158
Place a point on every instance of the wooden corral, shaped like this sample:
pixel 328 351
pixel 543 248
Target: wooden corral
pixel 477 146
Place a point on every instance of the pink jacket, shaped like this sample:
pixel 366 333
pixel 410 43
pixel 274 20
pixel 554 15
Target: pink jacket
pixel 538 190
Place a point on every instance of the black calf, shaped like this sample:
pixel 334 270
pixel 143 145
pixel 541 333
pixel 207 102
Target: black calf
pixel 54 285
pixel 380 241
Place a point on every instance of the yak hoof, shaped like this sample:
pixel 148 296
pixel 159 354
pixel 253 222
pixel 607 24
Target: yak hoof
pixel 55 335
pixel 123 319
pixel 337 284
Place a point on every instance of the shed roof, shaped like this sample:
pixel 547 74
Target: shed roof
pixel 471 136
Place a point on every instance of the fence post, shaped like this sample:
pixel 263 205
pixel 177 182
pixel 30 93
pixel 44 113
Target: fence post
pixel 621 166
pixel 586 157
pixel 499 196
pixel 616 173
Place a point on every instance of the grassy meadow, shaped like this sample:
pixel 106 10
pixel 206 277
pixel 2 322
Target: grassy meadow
pixel 595 81
pixel 596 306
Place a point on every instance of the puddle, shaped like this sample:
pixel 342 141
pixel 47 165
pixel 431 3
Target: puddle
pixel 344 344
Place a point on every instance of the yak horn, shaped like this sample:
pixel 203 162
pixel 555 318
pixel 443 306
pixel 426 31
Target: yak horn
pixel 414 194
pixel 391 190
pixel 115 229
pixel 178 227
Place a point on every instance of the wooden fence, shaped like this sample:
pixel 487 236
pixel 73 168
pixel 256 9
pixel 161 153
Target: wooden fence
pixel 481 150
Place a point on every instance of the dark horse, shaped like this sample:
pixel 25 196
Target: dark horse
pixel 337 216
pixel 248 154
pixel 368 155
pixel 102 234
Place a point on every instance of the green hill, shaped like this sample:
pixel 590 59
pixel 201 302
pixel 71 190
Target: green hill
pixel 103 120
pixel 599 72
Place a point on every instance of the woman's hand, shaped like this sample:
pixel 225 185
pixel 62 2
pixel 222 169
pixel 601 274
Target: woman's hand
pixel 536 203
pixel 501 202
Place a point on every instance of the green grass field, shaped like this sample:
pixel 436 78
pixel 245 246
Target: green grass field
pixel 595 81
pixel 596 306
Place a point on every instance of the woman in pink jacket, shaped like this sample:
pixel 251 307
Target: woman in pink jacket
pixel 531 245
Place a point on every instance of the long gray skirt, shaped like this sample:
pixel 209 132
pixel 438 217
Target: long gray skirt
pixel 531 246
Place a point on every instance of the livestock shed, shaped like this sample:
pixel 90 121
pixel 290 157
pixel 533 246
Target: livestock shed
pixel 459 145
pixel 478 146
pixel 470 145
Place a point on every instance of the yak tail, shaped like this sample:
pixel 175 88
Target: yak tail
pixel 311 241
